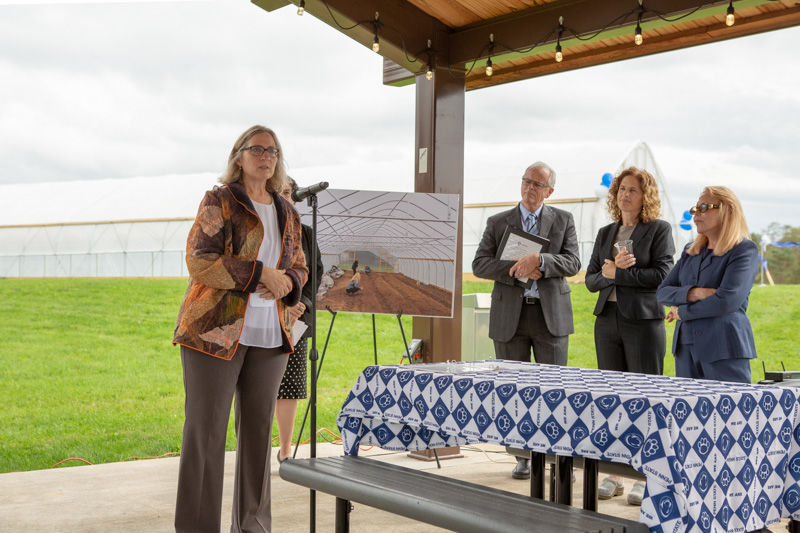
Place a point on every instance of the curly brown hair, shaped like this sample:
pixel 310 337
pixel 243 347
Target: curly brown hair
pixel 651 202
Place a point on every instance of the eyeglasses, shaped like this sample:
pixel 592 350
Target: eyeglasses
pixel 702 208
pixel 258 151
pixel 529 183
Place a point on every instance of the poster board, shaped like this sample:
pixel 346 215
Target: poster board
pixel 404 245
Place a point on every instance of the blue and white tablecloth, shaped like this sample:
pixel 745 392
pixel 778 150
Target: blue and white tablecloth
pixel 717 456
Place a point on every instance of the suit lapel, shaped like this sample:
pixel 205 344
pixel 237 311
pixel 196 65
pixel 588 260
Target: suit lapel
pixel 514 218
pixel 639 232
pixel 706 261
pixel 546 221
pixel 607 240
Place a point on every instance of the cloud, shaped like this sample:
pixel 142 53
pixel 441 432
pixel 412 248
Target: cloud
pixel 144 89
pixel 109 90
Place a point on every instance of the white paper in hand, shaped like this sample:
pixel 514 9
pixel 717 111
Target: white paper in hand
pixel 257 301
pixel 298 329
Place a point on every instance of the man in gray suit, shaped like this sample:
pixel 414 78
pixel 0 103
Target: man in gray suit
pixel 539 317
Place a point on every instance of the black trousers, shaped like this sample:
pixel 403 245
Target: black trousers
pixel 629 345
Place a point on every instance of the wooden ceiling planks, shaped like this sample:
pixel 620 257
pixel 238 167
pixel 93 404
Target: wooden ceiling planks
pixel 525 31
pixel 460 13
pixel 681 35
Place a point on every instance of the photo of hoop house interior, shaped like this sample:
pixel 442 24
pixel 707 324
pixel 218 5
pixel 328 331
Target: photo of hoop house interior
pixel 386 252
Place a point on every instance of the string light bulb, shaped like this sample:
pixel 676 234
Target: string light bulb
pixel 376 45
pixel 730 18
pixel 489 69
pixel 637 36
pixel 301 7
pixel 429 73
pixel 559 55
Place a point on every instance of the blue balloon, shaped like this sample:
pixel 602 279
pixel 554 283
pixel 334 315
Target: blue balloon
pixel 685 225
pixel 687 215
pixel 608 177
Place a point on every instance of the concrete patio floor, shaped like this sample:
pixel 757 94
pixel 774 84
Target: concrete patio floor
pixel 139 496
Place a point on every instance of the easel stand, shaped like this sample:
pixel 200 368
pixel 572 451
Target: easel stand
pixel 316 371
pixel 312 404
pixel 424 454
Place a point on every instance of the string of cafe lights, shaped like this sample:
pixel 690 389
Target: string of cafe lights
pixel 491 48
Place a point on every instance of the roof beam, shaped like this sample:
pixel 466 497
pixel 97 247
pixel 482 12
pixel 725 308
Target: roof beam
pixel 404 29
pixel 653 44
pixel 539 25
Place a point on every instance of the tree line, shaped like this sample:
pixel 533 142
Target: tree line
pixel 783 263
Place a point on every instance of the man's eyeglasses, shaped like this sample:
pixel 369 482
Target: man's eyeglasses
pixel 529 183
pixel 258 151
pixel 702 208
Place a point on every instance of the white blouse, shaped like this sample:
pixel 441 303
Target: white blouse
pixel 261 325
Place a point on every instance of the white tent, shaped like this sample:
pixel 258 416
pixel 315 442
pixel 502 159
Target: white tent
pixel 114 227
pixel 138 226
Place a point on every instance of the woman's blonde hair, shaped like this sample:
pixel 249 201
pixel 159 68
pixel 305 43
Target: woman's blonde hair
pixel 731 220
pixel 651 203
pixel 233 172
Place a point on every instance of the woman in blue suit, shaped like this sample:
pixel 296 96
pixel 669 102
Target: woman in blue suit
pixel 708 290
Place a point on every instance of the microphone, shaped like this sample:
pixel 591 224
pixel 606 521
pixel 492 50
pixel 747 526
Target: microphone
pixel 301 194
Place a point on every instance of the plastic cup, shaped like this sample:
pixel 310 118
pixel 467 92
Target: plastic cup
pixel 626 245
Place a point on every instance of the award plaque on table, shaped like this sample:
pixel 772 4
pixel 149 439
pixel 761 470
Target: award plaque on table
pixel 516 244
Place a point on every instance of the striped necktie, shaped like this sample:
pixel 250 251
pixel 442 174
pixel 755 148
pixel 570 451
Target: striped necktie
pixel 530 223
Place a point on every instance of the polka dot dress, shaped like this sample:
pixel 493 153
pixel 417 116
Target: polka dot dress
pixel 293 384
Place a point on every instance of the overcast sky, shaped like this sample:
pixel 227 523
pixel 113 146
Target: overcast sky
pixel 112 90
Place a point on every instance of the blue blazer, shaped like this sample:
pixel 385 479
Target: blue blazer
pixel 718 325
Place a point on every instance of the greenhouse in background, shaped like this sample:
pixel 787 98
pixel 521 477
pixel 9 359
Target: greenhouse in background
pixel 137 227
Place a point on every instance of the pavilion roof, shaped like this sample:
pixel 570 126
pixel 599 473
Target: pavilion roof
pixel 521 35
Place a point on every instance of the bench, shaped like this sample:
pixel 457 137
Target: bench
pixel 448 503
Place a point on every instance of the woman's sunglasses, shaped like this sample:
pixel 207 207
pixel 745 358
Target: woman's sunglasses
pixel 702 208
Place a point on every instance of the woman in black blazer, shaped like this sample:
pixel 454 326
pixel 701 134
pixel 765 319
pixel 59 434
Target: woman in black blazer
pixel 629 332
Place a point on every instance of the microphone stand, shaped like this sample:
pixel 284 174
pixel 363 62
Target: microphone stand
pixel 312 354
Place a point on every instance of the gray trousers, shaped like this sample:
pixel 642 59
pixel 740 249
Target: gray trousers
pixel 532 333
pixel 254 374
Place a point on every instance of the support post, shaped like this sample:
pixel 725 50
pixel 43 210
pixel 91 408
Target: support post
pixel 440 169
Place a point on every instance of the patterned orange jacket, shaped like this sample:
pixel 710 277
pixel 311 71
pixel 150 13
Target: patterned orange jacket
pixel 221 256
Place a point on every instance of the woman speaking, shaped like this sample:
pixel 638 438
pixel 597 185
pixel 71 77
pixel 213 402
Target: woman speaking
pixel 246 267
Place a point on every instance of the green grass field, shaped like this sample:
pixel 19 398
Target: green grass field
pixel 87 369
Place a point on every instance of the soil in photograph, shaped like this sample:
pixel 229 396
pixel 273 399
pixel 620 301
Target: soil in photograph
pixel 388 293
